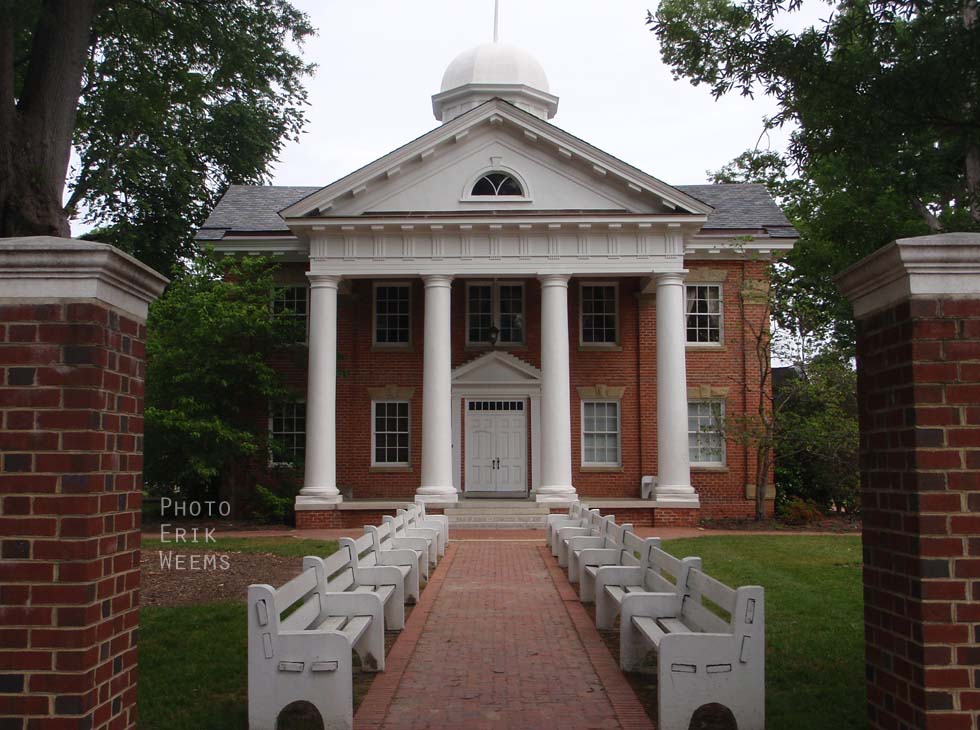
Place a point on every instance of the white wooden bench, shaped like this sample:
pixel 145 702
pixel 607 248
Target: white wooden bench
pixel 414 521
pixel 441 520
pixel 388 581
pixel 306 655
pixel 655 571
pixel 401 531
pixel 578 516
pixel 408 551
pixel 595 527
pixel 599 550
pixel 702 657
pixel 632 550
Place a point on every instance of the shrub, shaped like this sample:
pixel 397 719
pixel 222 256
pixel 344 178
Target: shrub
pixel 267 506
pixel 800 512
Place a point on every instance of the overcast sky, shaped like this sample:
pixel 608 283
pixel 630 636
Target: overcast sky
pixel 380 61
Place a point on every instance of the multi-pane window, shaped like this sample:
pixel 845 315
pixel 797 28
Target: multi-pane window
pixel 490 306
pixel 705 439
pixel 291 301
pixel 287 432
pixel 703 313
pixel 600 433
pixel 390 433
pixel 392 314
pixel 496 184
pixel 599 314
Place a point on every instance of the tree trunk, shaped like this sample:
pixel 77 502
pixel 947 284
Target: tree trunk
pixel 36 127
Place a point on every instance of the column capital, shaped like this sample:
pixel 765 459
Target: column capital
pixel 431 280
pixel 327 281
pixel 670 278
pixel 554 279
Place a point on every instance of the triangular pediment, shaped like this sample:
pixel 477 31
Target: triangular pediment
pixel 435 173
pixel 496 368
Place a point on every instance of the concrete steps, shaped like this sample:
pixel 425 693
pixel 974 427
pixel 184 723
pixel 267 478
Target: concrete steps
pixel 496 516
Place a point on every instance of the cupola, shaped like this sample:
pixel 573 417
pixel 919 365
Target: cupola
pixel 494 70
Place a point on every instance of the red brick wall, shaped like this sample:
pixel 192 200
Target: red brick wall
pixel 71 403
pixel 919 390
pixel 632 365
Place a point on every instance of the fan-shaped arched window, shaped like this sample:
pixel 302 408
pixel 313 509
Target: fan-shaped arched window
pixel 497 183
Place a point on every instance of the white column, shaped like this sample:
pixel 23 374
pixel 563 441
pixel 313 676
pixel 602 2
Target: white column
pixel 673 458
pixel 320 482
pixel 437 430
pixel 556 423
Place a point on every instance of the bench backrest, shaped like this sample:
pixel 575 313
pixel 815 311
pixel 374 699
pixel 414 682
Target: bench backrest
pixel 266 606
pixel 667 574
pixel 380 536
pixel 711 606
pixel 636 549
pixel 396 523
pixel 361 549
pixel 615 534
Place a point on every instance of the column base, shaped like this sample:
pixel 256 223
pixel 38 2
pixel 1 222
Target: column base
pixel 315 502
pixel 447 498
pixel 560 497
pixel 676 501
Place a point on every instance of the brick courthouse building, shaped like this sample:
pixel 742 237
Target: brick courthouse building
pixel 515 313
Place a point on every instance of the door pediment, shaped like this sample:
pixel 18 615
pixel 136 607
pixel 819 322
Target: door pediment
pixel 496 368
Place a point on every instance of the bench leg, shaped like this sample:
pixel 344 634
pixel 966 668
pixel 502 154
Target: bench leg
pixel 606 608
pixel 395 608
pixel 632 645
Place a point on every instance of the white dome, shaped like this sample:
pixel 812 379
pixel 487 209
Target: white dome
pixel 495 63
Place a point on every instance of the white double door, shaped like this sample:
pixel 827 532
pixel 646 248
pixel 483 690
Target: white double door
pixel 496 446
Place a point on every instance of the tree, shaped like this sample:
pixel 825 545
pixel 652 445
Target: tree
pixel 209 380
pixel 165 102
pixel 885 95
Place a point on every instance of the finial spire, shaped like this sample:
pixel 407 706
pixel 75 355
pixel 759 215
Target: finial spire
pixel 496 21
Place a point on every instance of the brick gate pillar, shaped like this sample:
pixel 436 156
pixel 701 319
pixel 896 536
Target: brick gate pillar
pixel 917 306
pixel 72 348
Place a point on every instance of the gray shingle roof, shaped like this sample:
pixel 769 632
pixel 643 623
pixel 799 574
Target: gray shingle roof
pixel 255 208
pixel 741 205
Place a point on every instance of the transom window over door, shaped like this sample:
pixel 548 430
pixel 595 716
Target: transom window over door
pixel 494 306
pixel 392 314
pixel 599 314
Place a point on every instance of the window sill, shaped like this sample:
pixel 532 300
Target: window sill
pixel 392 348
pixel 391 470
pixel 715 468
pixel 611 469
pixel 705 347
pixel 600 348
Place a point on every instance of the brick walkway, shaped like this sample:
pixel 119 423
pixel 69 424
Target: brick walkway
pixel 499 640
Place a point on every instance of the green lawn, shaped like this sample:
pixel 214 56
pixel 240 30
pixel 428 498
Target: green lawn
pixel 814 621
pixel 192 659
pixel 290 547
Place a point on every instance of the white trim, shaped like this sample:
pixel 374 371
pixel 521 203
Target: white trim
pixel 408 406
pixel 581 318
pixel 374 313
pixel 619 432
pixel 721 315
pixel 721 431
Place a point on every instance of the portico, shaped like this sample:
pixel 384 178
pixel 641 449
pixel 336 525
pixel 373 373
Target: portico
pixel 517 314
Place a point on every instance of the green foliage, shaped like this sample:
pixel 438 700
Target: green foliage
pixel 209 380
pixel 796 511
pixel 886 101
pixel 814 621
pixel 267 506
pixel 816 435
pixel 179 100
